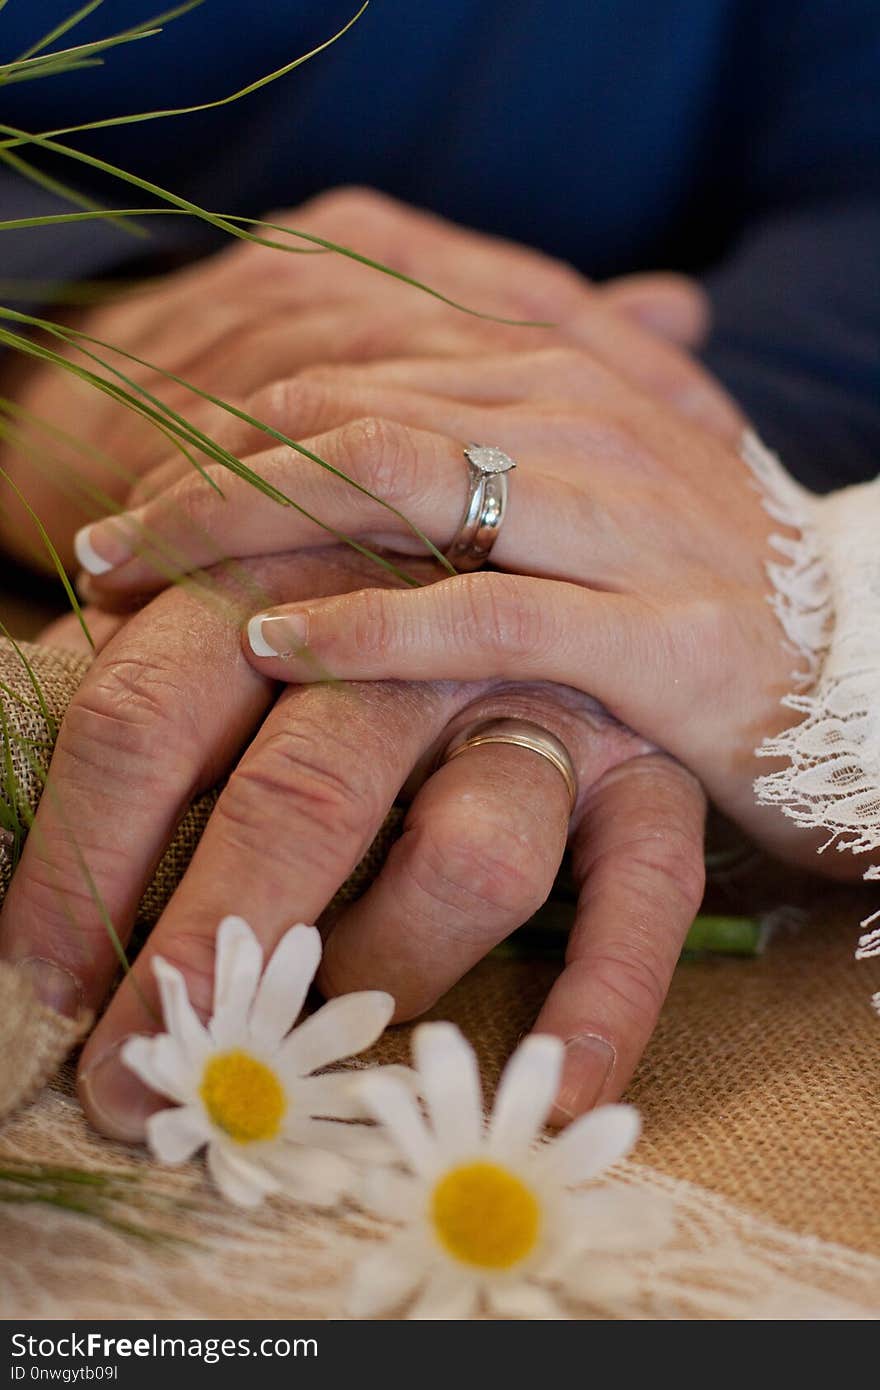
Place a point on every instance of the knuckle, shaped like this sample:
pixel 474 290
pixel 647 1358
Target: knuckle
pixel 372 627
pixel 287 783
pixel 476 869
pixel 674 861
pixel 577 369
pixel 189 506
pixel 136 709
pixel 292 405
pixel 146 488
pixel 633 976
pixel 380 454
pixel 53 895
pixel 500 615
pixel 382 333
pixel 563 360
pixel 551 289
pixel 662 871
pixel 326 374
pixel 349 207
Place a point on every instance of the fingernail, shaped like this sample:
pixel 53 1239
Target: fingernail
pixel 53 985
pixel 589 1061
pixel 281 634
pixel 117 1102
pixel 101 546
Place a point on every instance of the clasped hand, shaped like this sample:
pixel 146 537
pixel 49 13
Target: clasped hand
pixel 634 549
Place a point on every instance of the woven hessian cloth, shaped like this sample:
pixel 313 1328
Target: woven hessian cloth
pixel 759 1091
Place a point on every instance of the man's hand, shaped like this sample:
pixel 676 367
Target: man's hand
pixel 165 712
pixel 249 316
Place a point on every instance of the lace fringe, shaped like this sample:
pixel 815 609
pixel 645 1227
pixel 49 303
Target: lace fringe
pixel 717 1260
pixel 827 599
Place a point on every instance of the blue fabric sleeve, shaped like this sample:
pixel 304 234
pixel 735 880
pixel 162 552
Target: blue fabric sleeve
pixel 796 301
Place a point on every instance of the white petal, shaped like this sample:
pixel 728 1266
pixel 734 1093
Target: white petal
pixel 365 1143
pixel 385 1279
pixel 591 1144
pixel 446 1295
pixel 180 1016
pixel 450 1084
pixel 522 1300
pixel 159 1064
pixel 241 1181
pixel 341 1028
pixel 394 1106
pixel 620 1218
pixel 525 1094
pixel 337 1095
pixel 393 1196
pixel 174 1135
pixel 237 968
pixel 285 984
pixel 311 1176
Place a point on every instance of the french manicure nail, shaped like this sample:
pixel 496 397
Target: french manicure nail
pixel 117 1102
pixel 281 634
pixel 53 985
pixel 589 1060
pixel 101 546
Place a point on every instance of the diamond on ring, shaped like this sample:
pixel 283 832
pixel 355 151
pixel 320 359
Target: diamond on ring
pixel 488 460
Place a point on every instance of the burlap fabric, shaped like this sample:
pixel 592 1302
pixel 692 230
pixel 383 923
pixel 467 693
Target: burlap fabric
pixel 762 1133
pixel 34 1041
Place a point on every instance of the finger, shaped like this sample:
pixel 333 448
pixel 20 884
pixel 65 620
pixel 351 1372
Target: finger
pixel 265 348
pixel 481 846
pixel 160 715
pixel 659 369
pixel 297 815
pixel 478 626
pixel 638 857
pixel 408 481
pixel 605 356
pixel 478 855
pixel 155 720
pixel 674 307
pixel 497 276
pixel 321 397
pixel 404 479
pixel 507 279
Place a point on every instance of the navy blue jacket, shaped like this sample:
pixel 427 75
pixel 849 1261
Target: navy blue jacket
pixel 738 140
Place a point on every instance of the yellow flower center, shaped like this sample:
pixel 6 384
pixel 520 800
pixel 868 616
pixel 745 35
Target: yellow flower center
pixel 485 1215
pixel 243 1096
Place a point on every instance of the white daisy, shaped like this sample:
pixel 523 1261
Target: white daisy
pixel 489 1217
pixel 243 1084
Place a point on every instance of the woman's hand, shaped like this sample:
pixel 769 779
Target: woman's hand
pixel 652 523
pixel 249 316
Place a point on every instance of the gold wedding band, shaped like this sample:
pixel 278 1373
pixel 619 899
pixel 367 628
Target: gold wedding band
pixel 519 733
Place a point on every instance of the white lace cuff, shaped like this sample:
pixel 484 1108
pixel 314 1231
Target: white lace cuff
pixel 827 598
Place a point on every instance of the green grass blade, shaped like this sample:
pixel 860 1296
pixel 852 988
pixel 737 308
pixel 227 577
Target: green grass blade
pixel 50 722
pixel 64 27
pixel 64 190
pixel 53 555
pixel 246 91
pixel 34 60
pixel 234 225
pixel 154 409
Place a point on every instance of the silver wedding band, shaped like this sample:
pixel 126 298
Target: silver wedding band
pixel 519 733
pixel 484 511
